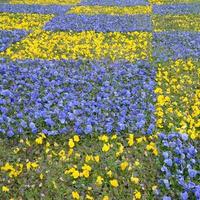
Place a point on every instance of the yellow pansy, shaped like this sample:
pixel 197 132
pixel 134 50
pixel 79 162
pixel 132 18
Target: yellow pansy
pixel 5 189
pixel 86 167
pixel 135 180
pixel 104 138
pixel 105 198
pixel 75 174
pixel 99 180
pixel 106 147
pixel 97 158
pixel 109 173
pixel 76 138
pixel 41 176
pixel 39 140
pixel 114 182
pixel 130 140
pixel 85 173
pixel 75 195
pixel 71 143
pixel 137 195
pixel 89 197
pixel 124 165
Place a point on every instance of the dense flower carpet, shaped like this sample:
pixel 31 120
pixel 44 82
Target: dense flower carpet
pixel 100 99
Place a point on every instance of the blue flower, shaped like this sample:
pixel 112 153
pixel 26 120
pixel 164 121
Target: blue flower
pixel 10 133
pixel 184 137
pixel 49 122
pixel 166 198
pixel 166 183
pixel 184 195
pixel 168 162
pixel 197 192
pixel 192 173
pixel 165 154
pixel 88 129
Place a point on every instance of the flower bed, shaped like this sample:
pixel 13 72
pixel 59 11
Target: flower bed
pixel 84 97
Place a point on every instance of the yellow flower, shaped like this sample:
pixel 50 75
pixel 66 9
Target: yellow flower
pixel 39 140
pixel 139 140
pixel 154 187
pixel 42 135
pixel 61 153
pixel 124 165
pixel 77 155
pixel 21 141
pixel 28 142
pixel 89 197
pixel 97 158
pixel 85 173
pixel 7 167
pixel 103 138
pixel 99 180
pixel 5 189
pixel 71 143
pixel 76 138
pixel 158 90
pixel 70 152
pixel 41 176
pixel 106 147
pixel 109 173
pixel 16 150
pixel 34 165
pixel 105 198
pixel 114 183
pixel 30 165
pixel 137 195
pixel 56 144
pixel 89 188
pixel 135 180
pixel 155 152
pixel 75 195
pixel 75 174
pixel 121 149
pixel 130 140
pixel 137 163
pixel 86 167
pixel 114 137
pixel 88 158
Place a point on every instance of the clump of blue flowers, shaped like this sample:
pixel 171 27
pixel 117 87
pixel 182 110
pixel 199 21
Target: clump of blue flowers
pixel 175 45
pixel 9 37
pixel 99 23
pixel 114 2
pixel 58 97
pixel 180 170
pixel 41 9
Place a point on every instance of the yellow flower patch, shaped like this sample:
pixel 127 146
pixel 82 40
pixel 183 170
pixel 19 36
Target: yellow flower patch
pixel 173 1
pixel 13 171
pixel 130 46
pixel 178 97
pixel 111 10
pixel 176 23
pixel 11 21
pixel 58 2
